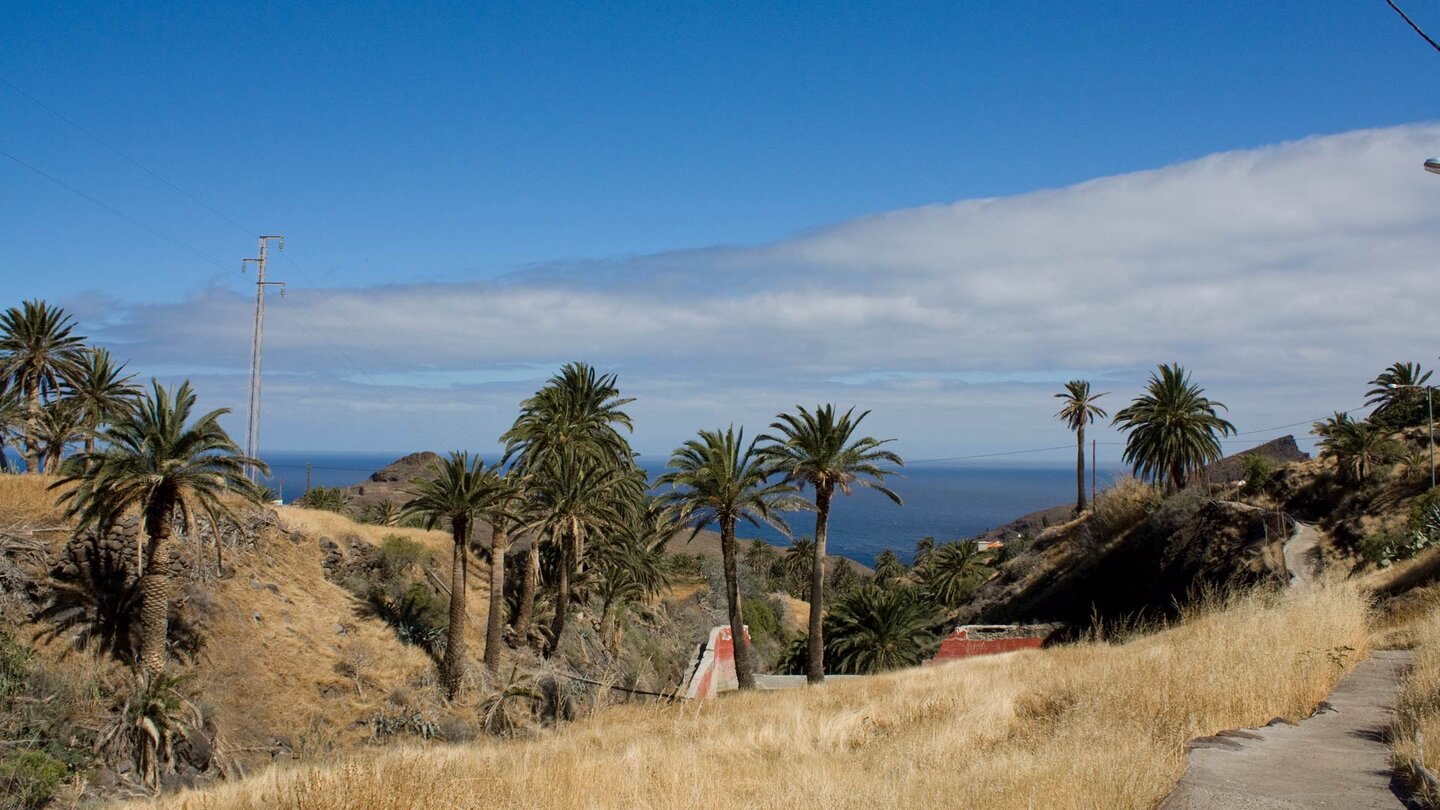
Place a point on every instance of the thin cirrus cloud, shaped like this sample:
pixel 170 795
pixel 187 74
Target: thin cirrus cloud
pixel 1284 277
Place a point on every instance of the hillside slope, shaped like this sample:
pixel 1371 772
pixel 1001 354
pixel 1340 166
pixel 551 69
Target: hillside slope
pixel 1090 725
pixel 1143 552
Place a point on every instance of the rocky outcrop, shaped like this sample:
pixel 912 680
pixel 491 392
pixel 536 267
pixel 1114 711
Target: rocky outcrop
pixel 393 482
pixel 1147 570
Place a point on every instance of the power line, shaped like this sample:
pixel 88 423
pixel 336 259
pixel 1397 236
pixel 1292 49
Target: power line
pixel 1411 23
pixel 117 212
pixel 990 455
pixel 137 164
pixel 313 285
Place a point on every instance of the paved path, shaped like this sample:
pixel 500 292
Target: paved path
pixel 1302 554
pixel 1337 758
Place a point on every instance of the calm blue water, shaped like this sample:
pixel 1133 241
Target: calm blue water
pixel 946 502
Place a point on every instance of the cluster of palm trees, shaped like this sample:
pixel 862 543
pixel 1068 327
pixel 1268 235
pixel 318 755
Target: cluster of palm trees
pixel 1361 446
pixel 55 391
pixel 720 479
pixel 568 481
pixel 135 450
pixel 1172 430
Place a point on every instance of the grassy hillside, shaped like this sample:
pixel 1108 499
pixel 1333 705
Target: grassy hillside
pixel 1097 724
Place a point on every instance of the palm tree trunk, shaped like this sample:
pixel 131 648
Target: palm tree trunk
pixel 524 615
pixel 815 667
pixel 562 597
pixel 455 637
pixel 155 587
pixel 743 673
pixel 1080 469
pixel 32 447
pixel 495 620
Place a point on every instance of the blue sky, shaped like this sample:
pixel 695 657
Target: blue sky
pixel 672 167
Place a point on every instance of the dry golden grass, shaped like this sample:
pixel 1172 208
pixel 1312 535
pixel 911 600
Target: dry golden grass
pixel 320 523
pixel 1418 708
pixel 1091 725
pixel 26 499
pixel 291 672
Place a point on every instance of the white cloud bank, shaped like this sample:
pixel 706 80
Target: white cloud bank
pixel 1283 277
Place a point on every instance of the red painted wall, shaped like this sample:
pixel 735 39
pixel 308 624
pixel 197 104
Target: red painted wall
pixel 957 645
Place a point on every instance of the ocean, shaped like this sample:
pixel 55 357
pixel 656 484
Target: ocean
pixel 947 502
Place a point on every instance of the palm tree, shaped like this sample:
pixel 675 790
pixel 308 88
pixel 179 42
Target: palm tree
pixel 156 462
pixel 13 416
pixel 38 350
pixel 888 567
pixel 717 478
pixel 821 450
pixel 1078 411
pixel 924 547
pixel 631 567
pixel 1172 428
pixel 60 423
pixel 952 572
pixel 1357 447
pixel 573 496
pixel 576 411
pixel 760 557
pixel 1395 384
pixel 1399 396
pixel 877 629
pixel 576 408
pixel 384 513
pixel 100 392
pixel 509 493
pixel 456 493
pixel 796 563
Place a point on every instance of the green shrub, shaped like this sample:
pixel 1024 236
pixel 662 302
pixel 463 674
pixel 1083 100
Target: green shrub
pixel 1390 546
pixel 14 666
pixel 398 555
pixel 688 567
pixel 762 618
pixel 419 615
pixel 1259 473
pixel 29 779
pixel 1170 514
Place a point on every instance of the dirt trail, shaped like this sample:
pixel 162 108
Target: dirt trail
pixel 1336 758
pixel 1302 555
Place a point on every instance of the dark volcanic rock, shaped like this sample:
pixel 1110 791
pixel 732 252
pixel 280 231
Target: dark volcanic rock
pixel 393 482
pixel 1232 468
pixel 406 469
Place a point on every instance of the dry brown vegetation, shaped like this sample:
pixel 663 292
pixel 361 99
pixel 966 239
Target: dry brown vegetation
pixel 1417 728
pixel 26 500
pixel 1096 724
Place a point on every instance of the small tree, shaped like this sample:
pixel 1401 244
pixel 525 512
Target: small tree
pixel 718 479
pixel 457 490
pixel 156 462
pixel 820 450
pixel 1079 410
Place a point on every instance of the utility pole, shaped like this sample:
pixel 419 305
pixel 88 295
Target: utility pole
pixel 1092 474
pixel 307 478
pixel 252 429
